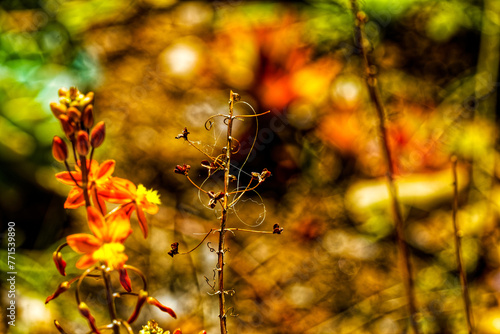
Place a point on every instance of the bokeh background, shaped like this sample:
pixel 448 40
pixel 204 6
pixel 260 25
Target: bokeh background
pixel 157 66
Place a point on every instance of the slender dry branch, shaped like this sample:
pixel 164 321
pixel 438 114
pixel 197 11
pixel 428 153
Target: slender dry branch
pixel 373 89
pixel 199 244
pixel 458 252
pixel 222 231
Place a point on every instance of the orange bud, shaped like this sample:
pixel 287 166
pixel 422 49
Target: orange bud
pixel 60 263
pixel 84 310
pixel 57 109
pixel 155 302
pixel 87 99
pixel 63 91
pixel 59 328
pixel 66 125
pixel 82 143
pixel 125 280
pixel 141 299
pixel 203 332
pixel 73 92
pixel 63 287
pixel 59 149
pixel 74 114
pixel 177 331
pixel 97 135
pixel 88 116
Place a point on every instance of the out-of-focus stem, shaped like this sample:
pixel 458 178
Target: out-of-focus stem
pixel 458 252
pixel 372 85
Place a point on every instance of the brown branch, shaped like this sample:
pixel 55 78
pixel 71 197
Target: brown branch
pixel 458 252
pixel 373 89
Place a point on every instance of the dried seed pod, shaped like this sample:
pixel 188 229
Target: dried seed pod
pixel 97 135
pixel 82 143
pixel 59 149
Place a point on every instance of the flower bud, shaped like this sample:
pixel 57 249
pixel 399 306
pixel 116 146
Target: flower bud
pixel 57 109
pixel 88 116
pixel 59 262
pixel 184 169
pixel 97 135
pixel 59 149
pixel 82 143
pixel 63 91
pixel 84 310
pixel 155 302
pixel 63 287
pixel 74 114
pixel 73 92
pixel 125 280
pixel 177 331
pixel 59 328
pixel 87 99
pixel 141 299
pixel 66 125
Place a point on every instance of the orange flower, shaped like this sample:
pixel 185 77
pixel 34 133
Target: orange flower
pixel 132 198
pixel 106 245
pixel 98 179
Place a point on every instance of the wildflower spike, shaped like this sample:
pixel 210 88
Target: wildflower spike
pixel 155 302
pixel 97 135
pixel 59 149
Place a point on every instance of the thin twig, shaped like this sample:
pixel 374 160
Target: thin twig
pixel 371 82
pixel 236 229
pixel 458 251
pixel 204 238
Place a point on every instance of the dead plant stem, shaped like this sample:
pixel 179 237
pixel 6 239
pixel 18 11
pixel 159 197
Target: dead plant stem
pixel 458 252
pixel 373 89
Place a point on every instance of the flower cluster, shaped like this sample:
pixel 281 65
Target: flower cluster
pixel 94 186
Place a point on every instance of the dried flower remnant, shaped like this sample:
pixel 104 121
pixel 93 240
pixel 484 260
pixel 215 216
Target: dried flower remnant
pixel 184 134
pixel 183 170
pixel 174 250
pixel 277 229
